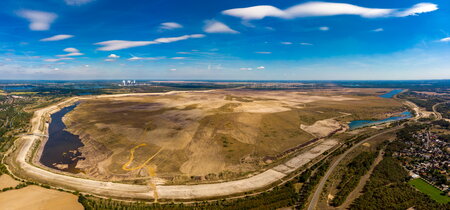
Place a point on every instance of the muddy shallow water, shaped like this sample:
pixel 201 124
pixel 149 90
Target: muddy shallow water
pixel 61 150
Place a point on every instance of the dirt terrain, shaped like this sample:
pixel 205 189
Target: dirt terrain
pixel 7 181
pixel 307 113
pixel 212 135
pixel 38 198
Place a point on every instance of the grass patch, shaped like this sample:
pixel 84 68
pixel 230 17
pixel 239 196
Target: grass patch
pixel 430 190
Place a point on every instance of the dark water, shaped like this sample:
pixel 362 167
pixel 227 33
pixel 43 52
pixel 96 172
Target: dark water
pixel 362 123
pixel 62 146
pixel 391 94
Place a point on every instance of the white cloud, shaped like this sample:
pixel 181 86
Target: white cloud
pixel 246 69
pixel 135 58
pixel 77 2
pixel 378 30
pixel 324 28
pixel 56 38
pixel 264 52
pixel 213 26
pixel 286 43
pixel 446 39
pixel 39 21
pixel 113 56
pixel 57 59
pixel 172 69
pixel 123 44
pixel 71 52
pixel 179 38
pixel 305 44
pixel 255 12
pixel 417 9
pixel 178 58
pixel 170 26
pixel 260 67
pixel 315 9
pixel 109 60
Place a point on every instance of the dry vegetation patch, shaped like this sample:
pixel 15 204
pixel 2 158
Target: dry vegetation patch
pixel 34 197
pixel 210 135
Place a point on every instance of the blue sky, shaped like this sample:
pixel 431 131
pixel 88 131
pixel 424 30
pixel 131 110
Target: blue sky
pixel 199 39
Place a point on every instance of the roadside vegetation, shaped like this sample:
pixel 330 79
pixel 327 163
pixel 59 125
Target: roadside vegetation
pixel 351 176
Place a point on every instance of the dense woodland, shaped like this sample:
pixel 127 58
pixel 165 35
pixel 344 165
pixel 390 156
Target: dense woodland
pixel 444 109
pixel 351 176
pixel 387 187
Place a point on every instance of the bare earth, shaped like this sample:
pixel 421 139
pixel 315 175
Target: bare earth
pixel 162 191
pixel 34 197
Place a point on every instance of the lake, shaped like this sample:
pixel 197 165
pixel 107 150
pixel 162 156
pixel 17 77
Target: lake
pixel 391 94
pixel 362 123
pixel 62 146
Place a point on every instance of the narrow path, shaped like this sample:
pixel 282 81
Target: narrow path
pixel 362 182
pixel 150 169
pixel 313 203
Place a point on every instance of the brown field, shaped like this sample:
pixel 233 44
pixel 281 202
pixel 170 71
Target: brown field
pixel 34 197
pixel 7 181
pixel 213 134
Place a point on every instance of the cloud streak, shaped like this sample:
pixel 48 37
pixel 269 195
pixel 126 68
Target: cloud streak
pixel 39 20
pixel 71 52
pixel 57 38
pixel 135 58
pixel 316 9
pixel 77 2
pixel 213 26
pixel 446 39
pixel 57 59
pixel 170 26
pixel 124 44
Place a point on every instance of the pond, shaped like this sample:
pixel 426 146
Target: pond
pixel 61 150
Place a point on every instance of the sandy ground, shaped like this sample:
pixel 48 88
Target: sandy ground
pixel 7 181
pixel 34 197
pixel 264 179
pixel 144 192
pixel 322 128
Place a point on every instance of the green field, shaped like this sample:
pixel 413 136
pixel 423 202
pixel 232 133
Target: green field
pixel 430 190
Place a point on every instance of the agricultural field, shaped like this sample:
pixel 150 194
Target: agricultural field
pixel 210 135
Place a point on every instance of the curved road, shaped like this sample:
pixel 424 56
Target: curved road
pixel 315 199
pixel 39 129
pixel 438 114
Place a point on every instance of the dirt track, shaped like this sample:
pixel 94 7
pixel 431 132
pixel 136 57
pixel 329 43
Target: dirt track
pixel 184 192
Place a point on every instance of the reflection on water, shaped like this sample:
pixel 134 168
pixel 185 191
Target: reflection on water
pixel 61 150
